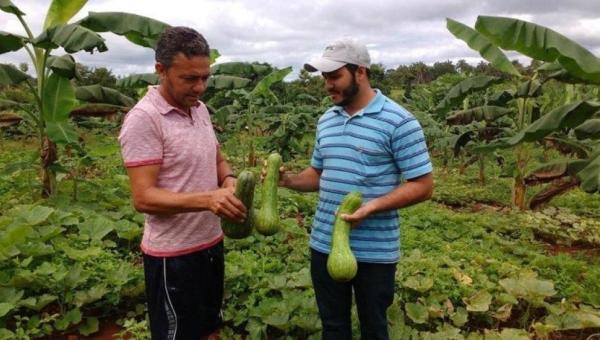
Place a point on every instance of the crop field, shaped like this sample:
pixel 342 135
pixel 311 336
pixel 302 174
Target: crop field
pixel 507 248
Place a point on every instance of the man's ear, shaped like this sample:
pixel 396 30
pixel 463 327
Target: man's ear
pixel 160 69
pixel 362 72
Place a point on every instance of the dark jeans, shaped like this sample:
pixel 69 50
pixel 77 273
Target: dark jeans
pixel 185 293
pixel 374 292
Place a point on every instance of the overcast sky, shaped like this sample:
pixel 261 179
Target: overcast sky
pixel 288 33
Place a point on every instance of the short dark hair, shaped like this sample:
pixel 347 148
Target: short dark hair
pixel 174 40
pixel 353 67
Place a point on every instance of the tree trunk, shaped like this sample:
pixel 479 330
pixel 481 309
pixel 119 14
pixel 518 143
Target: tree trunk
pixel 48 157
pixel 482 169
pixel 519 190
pixel 251 154
pixel 462 164
pixel 519 187
pixel 467 163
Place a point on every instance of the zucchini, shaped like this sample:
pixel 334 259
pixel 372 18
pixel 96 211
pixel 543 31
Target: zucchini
pixel 244 190
pixel 341 263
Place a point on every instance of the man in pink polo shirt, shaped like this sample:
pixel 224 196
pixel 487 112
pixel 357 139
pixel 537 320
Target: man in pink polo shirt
pixel 183 184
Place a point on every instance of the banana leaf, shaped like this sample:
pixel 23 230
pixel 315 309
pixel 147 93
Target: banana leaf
pixel 589 129
pixel 63 66
pixel 103 95
pixel 529 89
pixel 95 110
pixel 72 37
pixel 540 43
pixel 459 91
pixel 590 175
pixel 481 44
pixel 9 119
pixel 555 71
pixel 222 81
pixel 10 75
pixel 306 98
pixel 6 104
pixel 214 54
pixel 61 11
pixel 488 113
pixel 567 146
pixel 221 114
pixel 59 100
pixel 500 98
pixel 566 116
pixel 138 80
pixel 461 141
pixel 548 172
pixel 10 42
pixel 265 84
pixel 8 7
pixel 240 69
pixel 138 29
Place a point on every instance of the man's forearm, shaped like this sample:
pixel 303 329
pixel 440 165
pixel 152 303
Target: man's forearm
pixel 159 201
pixel 305 181
pixel 409 193
pixel 223 169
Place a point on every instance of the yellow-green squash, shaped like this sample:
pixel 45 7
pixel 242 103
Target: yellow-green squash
pixel 341 263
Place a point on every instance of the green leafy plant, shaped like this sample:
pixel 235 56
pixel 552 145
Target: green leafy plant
pixel 55 96
pixel 491 34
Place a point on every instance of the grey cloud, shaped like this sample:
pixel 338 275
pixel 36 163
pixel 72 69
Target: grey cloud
pixel 287 33
pixel 588 8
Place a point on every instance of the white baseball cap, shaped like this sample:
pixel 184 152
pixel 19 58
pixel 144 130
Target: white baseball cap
pixel 339 53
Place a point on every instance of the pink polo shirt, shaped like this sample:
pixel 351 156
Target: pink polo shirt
pixel 154 132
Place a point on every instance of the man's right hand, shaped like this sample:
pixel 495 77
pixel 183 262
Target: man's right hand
pixel 223 203
pixel 283 174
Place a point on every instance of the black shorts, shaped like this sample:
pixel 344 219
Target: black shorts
pixel 185 293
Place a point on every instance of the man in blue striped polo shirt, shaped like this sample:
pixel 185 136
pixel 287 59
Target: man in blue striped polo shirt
pixel 365 143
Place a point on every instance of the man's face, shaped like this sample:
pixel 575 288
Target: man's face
pixel 341 85
pixel 185 81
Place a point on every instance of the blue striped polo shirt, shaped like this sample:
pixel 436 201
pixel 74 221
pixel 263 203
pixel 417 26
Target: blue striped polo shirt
pixel 370 151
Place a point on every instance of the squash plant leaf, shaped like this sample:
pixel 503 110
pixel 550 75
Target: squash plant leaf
pixel 96 228
pixel 417 312
pixel 478 302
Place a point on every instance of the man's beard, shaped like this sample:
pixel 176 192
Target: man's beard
pixel 349 93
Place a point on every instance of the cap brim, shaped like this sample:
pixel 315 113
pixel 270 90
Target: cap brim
pixel 323 65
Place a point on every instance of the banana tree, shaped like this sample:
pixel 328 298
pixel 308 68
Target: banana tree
pixel 568 59
pixel 228 77
pixel 480 125
pixel 581 120
pixel 472 124
pixel 244 99
pixel 292 125
pixel 55 95
pixel 254 110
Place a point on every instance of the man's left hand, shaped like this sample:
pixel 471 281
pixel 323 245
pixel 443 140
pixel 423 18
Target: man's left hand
pixel 360 214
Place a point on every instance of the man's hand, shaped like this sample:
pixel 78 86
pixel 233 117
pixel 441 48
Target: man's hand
pixel 282 174
pixel 223 203
pixel 360 214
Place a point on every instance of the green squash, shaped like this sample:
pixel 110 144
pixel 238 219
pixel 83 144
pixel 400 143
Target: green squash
pixel 266 218
pixel 341 263
pixel 244 190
